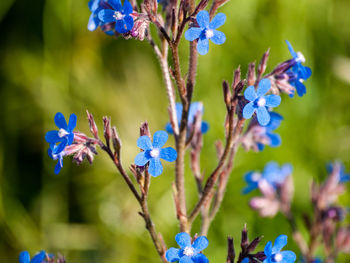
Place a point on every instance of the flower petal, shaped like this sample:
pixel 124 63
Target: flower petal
pixel 203 46
pixel 141 159
pixel 263 88
pixel 291 50
pixel 204 127
pixel 200 258
pixel 106 15
pixel 116 4
pixel 59 148
pixel 280 242
pixel 218 38
pixel 124 25
pixel 268 249
pixel 155 167
pixel 300 87
pixel 93 23
pixel 217 21
pixel 248 110
pixel 144 142
pixel 263 116
pixel 250 93
pixel 193 33
pixel 183 239
pixel 203 19
pixel 168 154
pixel 172 254
pixel 24 257
pixel 52 137
pixel 72 122
pixel 200 243
pixel 275 139
pixel 127 7
pixel 159 139
pixel 70 138
pixel 38 258
pixel 168 128
pixel 272 100
pixel 275 121
pixel 288 257
pixel 60 121
pixel 185 259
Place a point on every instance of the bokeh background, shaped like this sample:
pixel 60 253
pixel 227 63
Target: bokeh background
pixel 50 62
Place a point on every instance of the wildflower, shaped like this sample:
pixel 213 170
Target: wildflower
pixel 153 152
pixel 259 102
pixel 40 257
pixel 340 169
pixel 188 252
pixel 64 136
pixel 206 30
pixel 274 254
pixel 273 139
pixel 195 108
pixel 298 73
pixel 119 14
pixel 56 156
pixel 95 8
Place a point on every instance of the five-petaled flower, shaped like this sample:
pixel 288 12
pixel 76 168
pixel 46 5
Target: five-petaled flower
pixel 195 108
pixel 24 257
pixel 272 174
pixel 207 30
pixel 188 252
pixel 274 254
pixel 298 73
pixel 274 140
pixel 153 152
pixel 120 14
pixel 259 102
pixel 64 136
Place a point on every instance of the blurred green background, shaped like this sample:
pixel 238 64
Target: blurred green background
pixel 50 62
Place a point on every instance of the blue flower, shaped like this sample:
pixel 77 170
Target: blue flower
pixel 56 156
pixel 207 30
pixel 274 254
pixel 64 136
pixel 40 257
pixel 298 73
pixel 274 140
pixel 272 174
pixel 153 152
pixel 195 107
pixel 188 252
pixel 343 177
pixel 95 8
pixel 259 102
pixel 119 14
pixel 245 260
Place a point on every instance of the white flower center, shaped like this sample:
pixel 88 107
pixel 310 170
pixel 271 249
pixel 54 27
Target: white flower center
pixel 62 133
pixel 261 102
pixel 278 257
pixel 300 57
pixel 117 15
pixel 188 251
pixel 209 33
pixel 154 153
pixel 256 177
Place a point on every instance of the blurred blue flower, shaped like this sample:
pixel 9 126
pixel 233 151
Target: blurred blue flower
pixel 274 254
pixel 343 177
pixel 298 73
pixel 40 257
pixel 245 260
pixel 56 156
pixel 259 102
pixel 64 136
pixel 153 152
pixel 272 174
pixel 274 140
pixel 119 14
pixel 207 30
pixel 95 7
pixel 195 107
pixel 188 252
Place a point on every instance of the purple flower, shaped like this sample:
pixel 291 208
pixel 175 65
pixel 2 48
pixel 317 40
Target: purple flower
pixel 64 136
pixel 195 107
pixel 118 14
pixel 153 152
pixel 298 73
pixel 207 30
pixel 259 102
pixel 274 254
pixel 188 252
pixel 40 257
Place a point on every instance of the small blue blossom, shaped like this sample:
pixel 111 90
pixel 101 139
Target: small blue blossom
pixel 119 14
pixel 95 7
pixel 343 177
pixel 207 30
pixel 64 136
pixel 298 73
pixel 153 152
pixel 274 140
pixel 40 257
pixel 259 102
pixel 245 260
pixel 188 252
pixel 272 174
pixel 56 156
pixel 274 254
pixel 195 107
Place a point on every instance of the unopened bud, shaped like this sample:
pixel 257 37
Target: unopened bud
pixel 92 125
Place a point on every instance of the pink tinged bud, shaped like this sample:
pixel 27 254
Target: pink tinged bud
pixel 92 125
pixel 286 194
pixel 343 240
pixel 265 206
pixel 267 189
